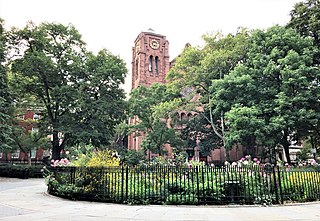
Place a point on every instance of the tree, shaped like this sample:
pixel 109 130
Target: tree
pixel 196 129
pixel 78 90
pixel 305 19
pixel 120 137
pixel 5 97
pixel 152 107
pixel 270 94
pixel 29 141
pixel 101 102
pixel 194 70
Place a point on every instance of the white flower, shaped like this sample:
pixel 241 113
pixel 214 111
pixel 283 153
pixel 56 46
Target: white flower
pixel 234 164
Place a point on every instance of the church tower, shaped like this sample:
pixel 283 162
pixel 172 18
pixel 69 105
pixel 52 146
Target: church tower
pixel 150 59
pixel 150 64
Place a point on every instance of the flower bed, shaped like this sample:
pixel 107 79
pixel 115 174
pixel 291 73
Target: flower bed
pixel 98 176
pixel 245 184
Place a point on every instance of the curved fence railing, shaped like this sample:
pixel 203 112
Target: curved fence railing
pixel 174 185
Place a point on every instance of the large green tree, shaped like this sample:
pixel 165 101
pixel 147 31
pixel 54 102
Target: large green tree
pixel 194 70
pixel 268 96
pixel 100 103
pixel 5 97
pixel 305 19
pixel 79 91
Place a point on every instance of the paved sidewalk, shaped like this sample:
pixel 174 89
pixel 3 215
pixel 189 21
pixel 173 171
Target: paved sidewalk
pixel 27 200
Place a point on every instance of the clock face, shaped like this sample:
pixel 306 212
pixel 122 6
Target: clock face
pixel 154 44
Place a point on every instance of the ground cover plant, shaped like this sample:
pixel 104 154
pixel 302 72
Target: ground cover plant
pixel 161 181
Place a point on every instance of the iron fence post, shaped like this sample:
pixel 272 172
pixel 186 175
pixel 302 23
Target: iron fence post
pixel 127 181
pixel 122 182
pixel 275 183
pixel 280 186
pixel 198 189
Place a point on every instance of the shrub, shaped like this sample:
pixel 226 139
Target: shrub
pixel 23 171
pixel 101 158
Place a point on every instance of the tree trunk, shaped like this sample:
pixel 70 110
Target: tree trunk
pixel 29 158
pixel 56 148
pixel 286 151
pixel 285 145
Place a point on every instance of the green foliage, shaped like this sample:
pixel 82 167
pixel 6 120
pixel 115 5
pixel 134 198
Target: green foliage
pixel 87 155
pixel 21 171
pixel 5 98
pixel 269 96
pixel 29 141
pixel 305 19
pixel 245 126
pixel 80 92
pixel 120 136
pixel 103 158
pixel 298 186
pixel 152 107
pixel 197 128
pixel 243 182
pixel 132 157
pixel 192 75
pixel 305 153
pixel 100 106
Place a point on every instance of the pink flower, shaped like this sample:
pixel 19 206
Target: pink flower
pixel 313 162
pixel 255 159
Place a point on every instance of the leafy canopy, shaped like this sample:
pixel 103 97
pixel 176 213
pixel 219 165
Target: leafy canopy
pixel 79 92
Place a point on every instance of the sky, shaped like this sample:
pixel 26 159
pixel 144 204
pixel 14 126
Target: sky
pixel 114 25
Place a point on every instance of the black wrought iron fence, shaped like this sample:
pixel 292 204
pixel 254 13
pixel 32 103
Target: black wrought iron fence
pixel 178 185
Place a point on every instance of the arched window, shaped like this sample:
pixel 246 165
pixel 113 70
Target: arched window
pixel 150 63
pixel 137 69
pixel 156 65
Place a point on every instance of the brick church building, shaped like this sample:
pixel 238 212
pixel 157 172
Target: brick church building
pixel 150 64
